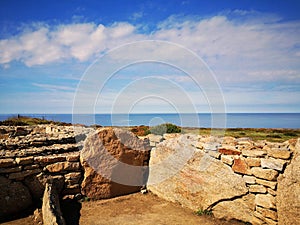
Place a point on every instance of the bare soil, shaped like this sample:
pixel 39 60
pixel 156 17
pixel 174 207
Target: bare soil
pixel 132 209
pixel 145 209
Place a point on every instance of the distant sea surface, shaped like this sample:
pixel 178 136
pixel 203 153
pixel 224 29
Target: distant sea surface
pixel 230 120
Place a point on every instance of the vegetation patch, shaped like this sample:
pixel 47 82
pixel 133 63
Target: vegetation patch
pixel 206 212
pixel 29 121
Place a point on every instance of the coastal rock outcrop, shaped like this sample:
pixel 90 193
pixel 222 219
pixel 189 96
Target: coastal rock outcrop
pixel 113 161
pixel 288 193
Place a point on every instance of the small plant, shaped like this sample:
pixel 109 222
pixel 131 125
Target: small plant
pixel 165 128
pixel 201 212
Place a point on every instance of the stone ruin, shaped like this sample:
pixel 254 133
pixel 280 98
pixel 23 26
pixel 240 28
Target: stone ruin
pixel 256 182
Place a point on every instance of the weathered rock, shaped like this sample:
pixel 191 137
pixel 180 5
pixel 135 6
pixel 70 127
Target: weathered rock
pixel 11 169
pixel 214 154
pixel 253 161
pixel 257 189
pixel 270 184
pixel 51 208
pixel 7 162
pixel 279 153
pixel 178 175
pixel 21 175
pixel 288 192
pixel 249 179
pixel 240 209
pixel 267 213
pixel 265 200
pixel 49 159
pixel 240 166
pixel 24 161
pixel 275 164
pixel 227 159
pixel 14 197
pixel 267 174
pixel 229 150
pixel 37 183
pixel 253 153
pixel 72 178
pixel 63 166
pixel 112 160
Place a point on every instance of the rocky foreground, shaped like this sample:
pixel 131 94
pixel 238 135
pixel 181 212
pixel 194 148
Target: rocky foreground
pixel 231 178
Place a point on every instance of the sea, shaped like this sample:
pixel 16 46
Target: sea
pixel 204 120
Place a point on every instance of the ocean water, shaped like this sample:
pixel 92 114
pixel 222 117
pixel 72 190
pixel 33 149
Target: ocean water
pixel 230 120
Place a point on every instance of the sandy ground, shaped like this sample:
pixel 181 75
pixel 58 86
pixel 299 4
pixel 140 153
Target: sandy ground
pixel 142 209
pixel 132 209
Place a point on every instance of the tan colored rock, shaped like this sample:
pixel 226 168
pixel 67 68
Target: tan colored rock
pixel 249 179
pixel 171 135
pixel 190 177
pixel 11 169
pixel 275 164
pixel 270 221
pixel 279 153
pixel 257 221
pixel 72 178
pixel 63 166
pixel 270 184
pixel 240 166
pixel 73 157
pixel 269 213
pixel 267 174
pixel 7 162
pixel 51 212
pixel 49 159
pixel 25 160
pixel 113 162
pixel 265 200
pixel 253 161
pixel 227 159
pixel 214 154
pixel 271 191
pixel 14 197
pixel 239 209
pixel 257 189
pixel 288 191
pixel 227 140
pixel 21 175
pixel 253 153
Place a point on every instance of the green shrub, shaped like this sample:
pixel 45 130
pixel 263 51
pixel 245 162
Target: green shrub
pixel 201 212
pixel 165 128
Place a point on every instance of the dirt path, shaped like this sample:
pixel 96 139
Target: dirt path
pixel 142 209
pixel 132 209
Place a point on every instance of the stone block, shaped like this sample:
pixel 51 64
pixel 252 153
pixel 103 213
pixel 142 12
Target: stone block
pixel 266 201
pixel 267 174
pixel 227 159
pixel 253 153
pixel 279 153
pixel 214 154
pixel 269 213
pixel 25 160
pixel 11 169
pixel 253 162
pixel 7 162
pixel 257 189
pixel 249 179
pixel 49 159
pixel 63 166
pixel 270 184
pixel 21 175
pixel 229 150
pixel 275 164
pixel 240 166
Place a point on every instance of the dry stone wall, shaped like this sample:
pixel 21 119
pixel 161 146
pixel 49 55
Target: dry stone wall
pixel 233 178
pixel 30 157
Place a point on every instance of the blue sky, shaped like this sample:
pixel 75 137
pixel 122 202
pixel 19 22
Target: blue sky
pixel 252 47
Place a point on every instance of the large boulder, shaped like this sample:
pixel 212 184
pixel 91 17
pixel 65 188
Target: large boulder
pixel 115 163
pixel 14 197
pixel 181 173
pixel 288 192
